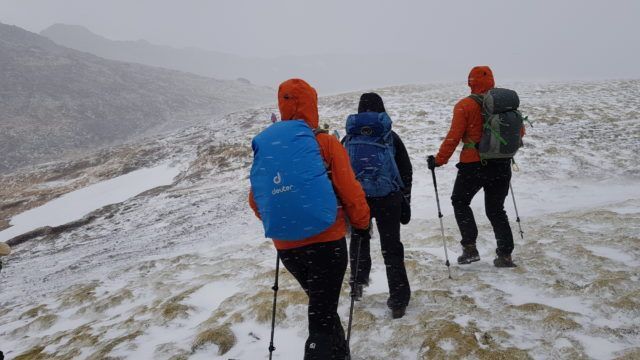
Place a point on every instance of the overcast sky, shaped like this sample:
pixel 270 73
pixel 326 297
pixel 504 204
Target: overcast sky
pixel 579 38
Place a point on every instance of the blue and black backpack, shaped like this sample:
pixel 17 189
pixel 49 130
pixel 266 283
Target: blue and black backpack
pixel 369 143
pixel 290 184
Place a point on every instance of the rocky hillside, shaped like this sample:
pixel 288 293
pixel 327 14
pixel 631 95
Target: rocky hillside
pixel 56 101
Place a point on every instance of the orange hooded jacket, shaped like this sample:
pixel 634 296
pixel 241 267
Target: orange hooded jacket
pixel 467 120
pixel 298 100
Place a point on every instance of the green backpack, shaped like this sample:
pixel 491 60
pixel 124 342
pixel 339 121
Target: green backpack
pixel 501 131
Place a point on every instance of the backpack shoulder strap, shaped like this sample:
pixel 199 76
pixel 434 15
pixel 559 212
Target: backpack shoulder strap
pixel 317 132
pixel 388 140
pixel 479 99
pixel 390 145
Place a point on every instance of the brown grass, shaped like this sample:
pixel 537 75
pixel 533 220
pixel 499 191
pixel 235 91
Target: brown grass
pixel 33 312
pixel 40 323
pixel 77 295
pixel 32 354
pixel 172 308
pixel 464 343
pixel 105 349
pixel 221 336
pixel 560 320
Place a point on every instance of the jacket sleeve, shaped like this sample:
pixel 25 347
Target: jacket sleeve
pixel 404 164
pixel 456 132
pixel 344 181
pixel 252 203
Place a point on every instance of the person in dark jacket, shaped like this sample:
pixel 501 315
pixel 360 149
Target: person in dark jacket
pixel 389 211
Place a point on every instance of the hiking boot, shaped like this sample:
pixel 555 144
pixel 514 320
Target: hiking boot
pixel 398 312
pixel 469 255
pixel 356 291
pixel 504 261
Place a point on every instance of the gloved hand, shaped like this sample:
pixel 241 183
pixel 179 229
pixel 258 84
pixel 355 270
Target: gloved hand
pixel 364 234
pixel 405 210
pixel 406 192
pixel 431 162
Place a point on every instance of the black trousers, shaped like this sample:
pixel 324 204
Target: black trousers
pixel 386 210
pixel 320 268
pixel 494 178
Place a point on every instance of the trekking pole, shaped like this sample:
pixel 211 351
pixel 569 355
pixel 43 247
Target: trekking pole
pixel 446 254
pixel 273 313
pixel 353 299
pixel 513 197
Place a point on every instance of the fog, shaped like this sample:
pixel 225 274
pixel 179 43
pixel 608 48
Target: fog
pixel 410 41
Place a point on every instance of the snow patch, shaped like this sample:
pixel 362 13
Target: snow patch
pixel 614 254
pixel 598 347
pixel 520 294
pixel 76 204
pixel 448 345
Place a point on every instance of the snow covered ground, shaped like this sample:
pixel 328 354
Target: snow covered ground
pixel 74 205
pixel 184 273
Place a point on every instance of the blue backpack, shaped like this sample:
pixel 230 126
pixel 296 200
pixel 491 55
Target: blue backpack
pixel 290 184
pixel 369 143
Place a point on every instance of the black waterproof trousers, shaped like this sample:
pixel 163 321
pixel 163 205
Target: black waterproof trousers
pixel 386 210
pixel 320 268
pixel 494 178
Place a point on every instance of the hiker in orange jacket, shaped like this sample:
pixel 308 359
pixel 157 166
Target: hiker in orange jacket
pixel 319 262
pixel 492 175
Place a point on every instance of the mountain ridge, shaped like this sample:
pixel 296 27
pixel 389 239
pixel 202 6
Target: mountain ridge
pixel 330 73
pixel 55 100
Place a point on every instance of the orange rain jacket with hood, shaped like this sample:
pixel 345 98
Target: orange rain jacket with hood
pixel 297 100
pixel 467 120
